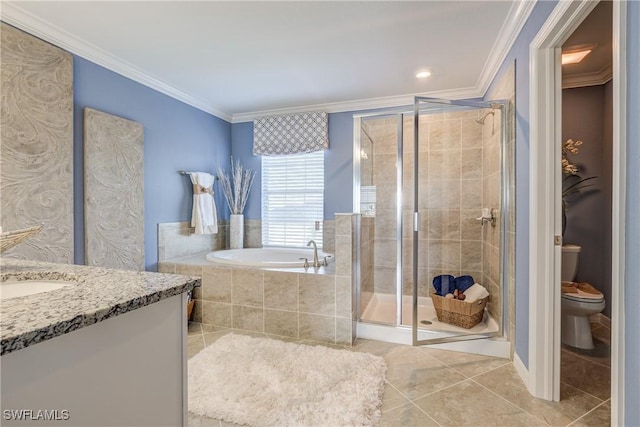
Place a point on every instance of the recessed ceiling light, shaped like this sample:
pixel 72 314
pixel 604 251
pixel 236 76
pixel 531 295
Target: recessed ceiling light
pixel 575 54
pixel 574 57
pixel 423 74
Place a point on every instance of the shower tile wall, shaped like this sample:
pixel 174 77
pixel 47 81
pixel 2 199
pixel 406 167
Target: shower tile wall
pixel 450 183
pixel 367 241
pixel 176 240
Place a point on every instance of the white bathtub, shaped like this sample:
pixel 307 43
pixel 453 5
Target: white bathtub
pixel 266 257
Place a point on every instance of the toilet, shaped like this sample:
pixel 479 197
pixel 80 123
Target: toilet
pixel 577 305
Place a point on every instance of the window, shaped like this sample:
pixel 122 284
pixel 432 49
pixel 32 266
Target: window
pixel 292 199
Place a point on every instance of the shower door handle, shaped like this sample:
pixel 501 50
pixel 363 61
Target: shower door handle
pixel 416 221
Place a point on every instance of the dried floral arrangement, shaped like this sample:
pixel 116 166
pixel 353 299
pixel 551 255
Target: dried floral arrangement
pixel 236 186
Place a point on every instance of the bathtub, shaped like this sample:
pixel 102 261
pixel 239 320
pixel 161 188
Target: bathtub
pixel 266 257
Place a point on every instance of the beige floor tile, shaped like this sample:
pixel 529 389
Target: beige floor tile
pixel 506 382
pixel 379 348
pixel 194 328
pixel 211 337
pixel 602 333
pixel 469 404
pixel 467 364
pixel 325 344
pixel 282 338
pixel 212 328
pixel 201 421
pixel 415 374
pixel 392 398
pixel 195 344
pixel 601 354
pixel 599 417
pixel 585 375
pixel 406 416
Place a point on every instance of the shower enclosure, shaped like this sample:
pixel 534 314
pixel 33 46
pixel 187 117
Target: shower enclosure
pixel 423 178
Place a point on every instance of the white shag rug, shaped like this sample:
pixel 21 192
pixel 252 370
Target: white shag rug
pixel 266 382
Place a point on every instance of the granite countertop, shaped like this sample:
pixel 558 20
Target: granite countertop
pixel 95 294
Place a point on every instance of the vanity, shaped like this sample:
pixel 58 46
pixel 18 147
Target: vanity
pixel 96 347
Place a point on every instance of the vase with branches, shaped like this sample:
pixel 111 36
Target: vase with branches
pixel 236 187
pixel 572 182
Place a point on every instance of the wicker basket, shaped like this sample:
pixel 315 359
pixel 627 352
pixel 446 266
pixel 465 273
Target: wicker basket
pixel 11 238
pixel 190 305
pixel 457 312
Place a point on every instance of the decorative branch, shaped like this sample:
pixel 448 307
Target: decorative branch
pixel 236 187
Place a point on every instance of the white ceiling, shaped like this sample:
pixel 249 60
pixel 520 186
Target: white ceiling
pixel 240 59
pixel 597 67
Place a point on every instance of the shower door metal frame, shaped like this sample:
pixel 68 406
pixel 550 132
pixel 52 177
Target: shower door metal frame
pixel 504 107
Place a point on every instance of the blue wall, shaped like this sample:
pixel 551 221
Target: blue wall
pixel 632 243
pixel 519 54
pixel 176 137
pixel 242 149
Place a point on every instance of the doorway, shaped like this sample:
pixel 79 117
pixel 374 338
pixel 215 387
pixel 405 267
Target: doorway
pixel 545 180
pixel 587 134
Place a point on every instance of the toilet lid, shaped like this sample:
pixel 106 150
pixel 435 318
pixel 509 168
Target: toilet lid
pixel 576 297
pixel 583 292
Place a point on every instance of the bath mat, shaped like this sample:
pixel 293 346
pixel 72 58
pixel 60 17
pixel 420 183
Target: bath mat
pixel 266 382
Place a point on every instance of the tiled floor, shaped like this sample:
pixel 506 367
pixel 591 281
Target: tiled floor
pixel 428 387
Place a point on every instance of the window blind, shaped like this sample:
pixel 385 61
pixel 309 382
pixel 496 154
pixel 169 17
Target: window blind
pixel 292 199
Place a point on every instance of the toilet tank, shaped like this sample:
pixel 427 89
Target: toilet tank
pixel 570 255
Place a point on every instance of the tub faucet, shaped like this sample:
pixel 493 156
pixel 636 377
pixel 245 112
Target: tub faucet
pixel 316 262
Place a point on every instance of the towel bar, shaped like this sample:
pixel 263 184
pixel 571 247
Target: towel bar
pixel 187 173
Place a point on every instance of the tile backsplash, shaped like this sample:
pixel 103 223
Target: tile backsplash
pixel 177 239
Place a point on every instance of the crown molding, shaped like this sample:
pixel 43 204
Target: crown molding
pixel 360 104
pixel 513 24
pixel 19 18
pixel 516 18
pixel 595 78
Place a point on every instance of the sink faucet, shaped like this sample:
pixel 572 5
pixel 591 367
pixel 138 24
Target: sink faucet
pixel 316 262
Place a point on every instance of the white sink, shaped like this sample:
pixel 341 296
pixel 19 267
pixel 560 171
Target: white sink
pixel 22 288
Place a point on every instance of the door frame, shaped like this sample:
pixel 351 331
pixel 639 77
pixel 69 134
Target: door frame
pixel 545 180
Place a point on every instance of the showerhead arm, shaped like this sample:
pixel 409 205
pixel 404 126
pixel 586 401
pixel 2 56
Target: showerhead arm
pixel 483 118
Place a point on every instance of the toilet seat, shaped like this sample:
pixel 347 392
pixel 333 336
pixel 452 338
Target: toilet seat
pixel 581 292
pixel 585 300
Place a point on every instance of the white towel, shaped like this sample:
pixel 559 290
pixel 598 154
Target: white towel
pixel 204 217
pixel 475 292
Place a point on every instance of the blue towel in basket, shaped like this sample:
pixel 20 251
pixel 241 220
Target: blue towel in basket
pixel 444 284
pixel 463 283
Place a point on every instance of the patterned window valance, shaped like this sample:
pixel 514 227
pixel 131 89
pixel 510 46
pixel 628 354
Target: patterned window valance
pixel 290 134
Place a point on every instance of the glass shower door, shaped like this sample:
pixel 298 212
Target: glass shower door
pixel 380 164
pixel 457 174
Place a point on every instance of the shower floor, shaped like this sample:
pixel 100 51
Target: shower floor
pixel 382 309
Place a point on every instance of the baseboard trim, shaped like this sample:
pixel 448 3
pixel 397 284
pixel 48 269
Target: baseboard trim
pixel 601 319
pixel 521 369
